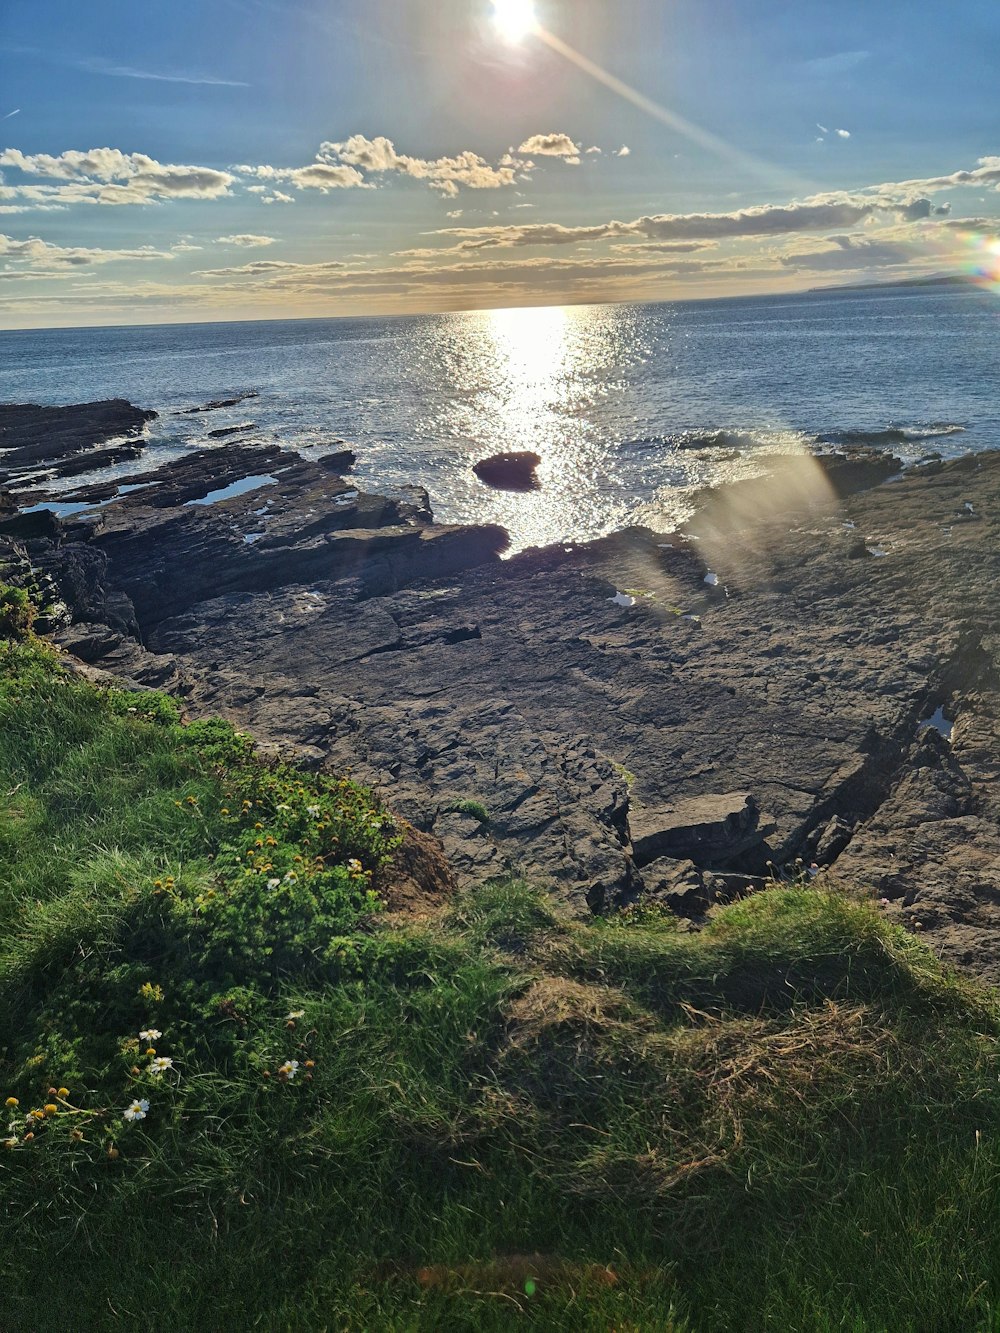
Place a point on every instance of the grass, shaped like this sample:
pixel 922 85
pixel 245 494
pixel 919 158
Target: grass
pixel 499 1118
pixel 475 809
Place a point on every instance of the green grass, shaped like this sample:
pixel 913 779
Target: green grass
pixel 475 809
pixel 501 1117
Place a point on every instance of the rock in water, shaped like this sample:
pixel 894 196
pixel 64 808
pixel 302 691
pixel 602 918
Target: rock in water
pixel 509 472
pixel 340 462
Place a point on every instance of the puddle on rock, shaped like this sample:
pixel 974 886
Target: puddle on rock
pixel 939 722
pixel 241 487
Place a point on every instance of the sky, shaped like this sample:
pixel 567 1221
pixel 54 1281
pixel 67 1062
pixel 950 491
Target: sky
pixel 199 160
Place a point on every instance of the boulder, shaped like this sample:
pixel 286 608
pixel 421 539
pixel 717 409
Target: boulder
pixel 509 472
pixel 339 462
pixel 834 839
pixel 679 885
pixel 708 830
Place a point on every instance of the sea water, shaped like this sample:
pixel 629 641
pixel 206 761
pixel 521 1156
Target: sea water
pixel 631 407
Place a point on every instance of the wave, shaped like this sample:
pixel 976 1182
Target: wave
pixel 690 440
pixel 892 434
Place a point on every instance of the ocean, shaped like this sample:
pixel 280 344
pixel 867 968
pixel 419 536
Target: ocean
pixel 631 407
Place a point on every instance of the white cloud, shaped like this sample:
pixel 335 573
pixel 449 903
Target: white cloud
pixel 316 176
pixel 843 134
pixel 379 156
pixel 663 247
pixel 247 239
pixel 905 201
pixel 595 149
pixel 624 151
pixel 271 266
pixel 553 145
pixel 36 253
pixel 109 176
pixel 762 220
pixel 455 213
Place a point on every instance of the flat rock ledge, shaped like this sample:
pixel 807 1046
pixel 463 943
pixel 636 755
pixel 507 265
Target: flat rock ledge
pixel 621 746
pixel 707 830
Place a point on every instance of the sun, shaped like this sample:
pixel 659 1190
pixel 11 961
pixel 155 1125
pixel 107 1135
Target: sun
pixel 514 19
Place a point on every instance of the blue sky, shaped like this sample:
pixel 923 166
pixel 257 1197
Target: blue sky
pixel 253 158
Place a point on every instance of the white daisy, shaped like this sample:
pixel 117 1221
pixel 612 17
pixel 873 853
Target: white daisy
pixel 137 1111
pixel 150 1034
pixel 161 1064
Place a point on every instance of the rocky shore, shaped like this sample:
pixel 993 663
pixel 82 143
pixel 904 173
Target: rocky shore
pixel 675 716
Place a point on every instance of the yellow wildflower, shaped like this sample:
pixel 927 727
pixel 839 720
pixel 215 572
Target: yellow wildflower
pixel 50 1108
pixel 62 1092
pixel 12 1101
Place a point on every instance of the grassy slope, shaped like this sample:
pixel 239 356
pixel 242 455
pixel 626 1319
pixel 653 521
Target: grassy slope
pixel 787 1121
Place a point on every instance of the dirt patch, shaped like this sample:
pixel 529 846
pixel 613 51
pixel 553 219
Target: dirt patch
pixel 418 880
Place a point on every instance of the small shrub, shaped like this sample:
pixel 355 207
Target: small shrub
pixel 17 613
pixel 476 809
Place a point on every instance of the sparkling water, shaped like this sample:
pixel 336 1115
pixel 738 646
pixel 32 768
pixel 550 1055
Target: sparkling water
pixel 629 406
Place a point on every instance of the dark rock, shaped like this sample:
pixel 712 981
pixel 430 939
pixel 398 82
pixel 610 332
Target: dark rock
pixel 835 838
pixel 159 549
pixel 96 459
pixel 679 885
pixel 54 436
pixel 225 431
pixel 42 524
pixel 708 830
pixel 509 472
pixel 216 403
pixel 340 462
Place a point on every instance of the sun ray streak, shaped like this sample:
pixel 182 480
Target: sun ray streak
pixel 693 133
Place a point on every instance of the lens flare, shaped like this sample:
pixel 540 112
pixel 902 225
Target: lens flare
pixel 981 258
pixel 515 19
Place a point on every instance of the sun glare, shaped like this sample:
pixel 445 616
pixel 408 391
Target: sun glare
pixel 514 19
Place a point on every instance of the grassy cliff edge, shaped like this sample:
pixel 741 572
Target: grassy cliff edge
pixel 239 1094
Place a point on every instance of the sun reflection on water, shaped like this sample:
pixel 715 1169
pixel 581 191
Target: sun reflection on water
pixel 524 380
